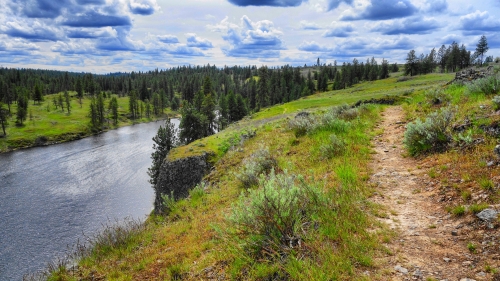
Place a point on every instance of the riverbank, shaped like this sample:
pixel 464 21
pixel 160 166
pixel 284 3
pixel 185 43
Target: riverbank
pixel 47 125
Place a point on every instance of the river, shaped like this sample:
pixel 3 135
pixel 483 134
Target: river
pixel 51 196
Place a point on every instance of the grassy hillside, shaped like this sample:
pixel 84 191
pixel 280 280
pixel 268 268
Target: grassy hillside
pixel 236 227
pixel 45 122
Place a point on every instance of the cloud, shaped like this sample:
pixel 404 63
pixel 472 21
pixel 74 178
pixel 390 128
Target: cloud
pixel 383 10
pixel 436 6
pixel 408 26
pixel 122 42
pixel 478 22
pixel 35 31
pixel 91 33
pixel 79 47
pixel 143 7
pixel 91 2
pixel 194 41
pixel 250 39
pixel 314 47
pixel 357 47
pixel 93 18
pixel 168 39
pixel 41 8
pixel 274 3
pixel 306 25
pixel 450 38
pixel 334 4
pixel 339 30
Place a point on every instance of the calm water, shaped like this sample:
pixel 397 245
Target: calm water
pixel 50 196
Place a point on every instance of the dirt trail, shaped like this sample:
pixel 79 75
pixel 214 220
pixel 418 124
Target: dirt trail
pixel 430 243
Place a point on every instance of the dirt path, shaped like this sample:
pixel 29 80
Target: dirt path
pixel 430 243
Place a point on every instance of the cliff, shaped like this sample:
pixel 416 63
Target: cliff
pixel 179 176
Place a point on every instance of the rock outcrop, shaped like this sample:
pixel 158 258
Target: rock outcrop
pixel 178 177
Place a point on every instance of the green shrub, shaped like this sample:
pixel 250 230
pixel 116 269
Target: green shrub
pixel 259 162
pixel 458 211
pixel 334 147
pixel 274 219
pixel 168 203
pixel 489 85
pixel 431 135
pixel 437 96
pixel 198 191
pixel 477 208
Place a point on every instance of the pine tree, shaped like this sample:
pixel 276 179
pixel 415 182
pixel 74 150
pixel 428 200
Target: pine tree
pixel 482 47
pixel 37 94
pixel 79 90
pixel 4 114
pixel 164 141
pixel 411 63
pixel 113 108
pixel 22 106
pixel 67 100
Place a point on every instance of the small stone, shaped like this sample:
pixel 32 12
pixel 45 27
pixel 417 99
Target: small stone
pixel 401 269
pixel 497 150
pixel 467 279
pixel 466 263
pixel 481 274
pixel 454 233
pixel 490 163
pixel 447 259
pixel 418 273
pixel 487 215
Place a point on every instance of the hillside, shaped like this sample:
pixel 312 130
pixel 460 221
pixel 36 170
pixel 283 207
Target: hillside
pixel 334 220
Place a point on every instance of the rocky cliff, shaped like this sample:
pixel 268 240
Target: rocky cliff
pixel 179 176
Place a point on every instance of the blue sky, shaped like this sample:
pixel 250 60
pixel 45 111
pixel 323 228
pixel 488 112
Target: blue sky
pixel 103 36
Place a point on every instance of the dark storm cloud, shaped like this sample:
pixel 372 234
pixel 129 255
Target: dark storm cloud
pixel 384 10
pixel 408 26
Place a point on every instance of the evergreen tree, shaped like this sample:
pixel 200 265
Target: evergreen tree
pixel 132 105
pixel 223 112
pixel 208 110
pixel 384 69
pixel 411 63
pixel 67 100
pixel 79 90
pixel 22 106
pixel 37 94
pixel 4 114
pixel 164 141
pixel 60 101
pixel 482 47
pixel 113 108
pixel 193 124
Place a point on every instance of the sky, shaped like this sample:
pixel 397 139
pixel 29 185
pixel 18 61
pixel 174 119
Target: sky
pixel 103 36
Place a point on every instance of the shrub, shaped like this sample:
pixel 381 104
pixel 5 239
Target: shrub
pixel 259 162
pixel 198 191
pixel 431 135
pixel 275 218
pixel 496 102
pixel 437 96
pixel 334 147
pixel 489 85
pixel 458 211
pixel 168 203
pixel 300 125
pixel 477 208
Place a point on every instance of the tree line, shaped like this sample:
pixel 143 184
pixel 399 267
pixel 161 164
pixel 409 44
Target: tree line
pixel 447 59
pixel 208 97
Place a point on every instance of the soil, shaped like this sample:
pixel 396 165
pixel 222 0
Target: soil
pixel 429 243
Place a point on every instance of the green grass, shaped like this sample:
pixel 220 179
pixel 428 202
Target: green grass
pixel 57 126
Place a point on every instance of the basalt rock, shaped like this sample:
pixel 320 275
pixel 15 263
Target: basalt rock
pixel 178 177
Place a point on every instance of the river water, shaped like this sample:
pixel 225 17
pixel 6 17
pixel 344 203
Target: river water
pixel 51 196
